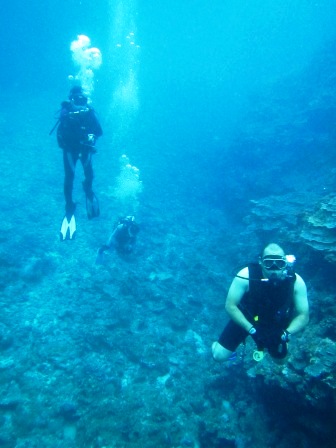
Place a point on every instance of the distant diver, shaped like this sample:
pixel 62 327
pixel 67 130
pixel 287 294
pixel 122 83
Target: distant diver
pixel 122 239
pixel 267 301
pixel 77 133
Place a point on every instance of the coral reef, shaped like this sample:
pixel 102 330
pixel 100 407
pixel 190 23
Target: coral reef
pixel 319 229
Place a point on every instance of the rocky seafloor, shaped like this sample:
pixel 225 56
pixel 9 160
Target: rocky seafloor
pixel 118 355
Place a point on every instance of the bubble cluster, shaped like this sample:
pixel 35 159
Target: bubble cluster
pixel 129 40
pixel 87 59
pixel 128 185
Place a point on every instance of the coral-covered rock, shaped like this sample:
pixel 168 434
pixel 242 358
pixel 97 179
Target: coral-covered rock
pixel 323 363
pixel 319 230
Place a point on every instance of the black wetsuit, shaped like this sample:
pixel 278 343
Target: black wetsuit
pixel 76 135
pixel 123 238
pixel 269 306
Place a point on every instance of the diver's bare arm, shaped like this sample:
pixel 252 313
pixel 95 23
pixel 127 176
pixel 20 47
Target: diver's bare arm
pixel 111 240
pixel 238 288
pixel 301 307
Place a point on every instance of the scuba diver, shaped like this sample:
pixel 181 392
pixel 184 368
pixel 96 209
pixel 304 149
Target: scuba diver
pixel 122 239
pixel 77 132
pixel 267 301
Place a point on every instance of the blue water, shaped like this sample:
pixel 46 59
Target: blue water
pixel 217 104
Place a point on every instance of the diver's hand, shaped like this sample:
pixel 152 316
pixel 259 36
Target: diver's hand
pixel 252 331
pixel 255 336
pixel 277 337
pixel 91 139
pixel 285 336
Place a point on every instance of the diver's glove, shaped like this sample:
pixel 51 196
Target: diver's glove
pixel 252 331
pixel 285 336
pixel 255 335
pixel 91 138
pixel 89 142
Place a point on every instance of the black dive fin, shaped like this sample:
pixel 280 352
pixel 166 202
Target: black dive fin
pixel 92 206
pixel 100 257
pixel 68 228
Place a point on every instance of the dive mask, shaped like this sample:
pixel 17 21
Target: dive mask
pixel 277 262
pixel 274 262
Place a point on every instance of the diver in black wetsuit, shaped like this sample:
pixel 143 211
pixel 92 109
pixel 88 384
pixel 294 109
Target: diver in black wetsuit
pixel 267 301
pixel 77 133
pixel 122 239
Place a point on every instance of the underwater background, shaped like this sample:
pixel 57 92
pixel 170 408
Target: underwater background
pixel 228 111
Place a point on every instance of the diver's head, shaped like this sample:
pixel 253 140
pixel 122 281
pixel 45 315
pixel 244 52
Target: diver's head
pixel 273 262
pixel 127 220
pixel 78 97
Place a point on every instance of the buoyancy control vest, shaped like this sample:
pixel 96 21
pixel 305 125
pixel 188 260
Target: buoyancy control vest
pixel 75 124
pixel 268 304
